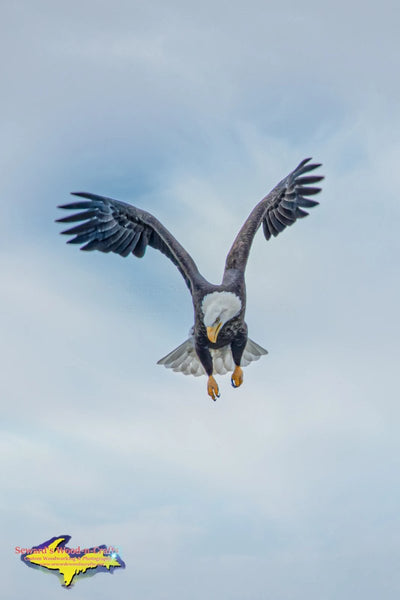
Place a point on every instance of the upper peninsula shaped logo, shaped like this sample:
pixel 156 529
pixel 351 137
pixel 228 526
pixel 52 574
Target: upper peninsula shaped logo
pixel 71 563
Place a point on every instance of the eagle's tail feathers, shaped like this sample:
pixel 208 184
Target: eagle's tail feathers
pixel 252 351
pixel 184 358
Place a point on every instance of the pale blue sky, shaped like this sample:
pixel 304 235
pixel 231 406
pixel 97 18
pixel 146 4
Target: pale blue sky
pixel 288 487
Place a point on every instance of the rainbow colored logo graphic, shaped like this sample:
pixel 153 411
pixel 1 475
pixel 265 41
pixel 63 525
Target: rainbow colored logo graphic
pixel 70 564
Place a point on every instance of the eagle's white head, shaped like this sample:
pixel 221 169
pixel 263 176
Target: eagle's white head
pixel 218 308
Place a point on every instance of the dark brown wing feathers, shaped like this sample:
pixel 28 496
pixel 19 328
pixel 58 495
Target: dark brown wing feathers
pixel 113 226
pixel 278 210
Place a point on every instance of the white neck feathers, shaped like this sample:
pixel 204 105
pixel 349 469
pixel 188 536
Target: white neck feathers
pixel 222 305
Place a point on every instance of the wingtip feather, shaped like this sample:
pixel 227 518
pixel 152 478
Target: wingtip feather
pixel 81 194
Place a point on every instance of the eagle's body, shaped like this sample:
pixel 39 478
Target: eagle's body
pixel 218 341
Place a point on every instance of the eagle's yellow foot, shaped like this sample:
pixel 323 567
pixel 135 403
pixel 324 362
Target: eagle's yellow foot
pixel 237 377
pixel 212 388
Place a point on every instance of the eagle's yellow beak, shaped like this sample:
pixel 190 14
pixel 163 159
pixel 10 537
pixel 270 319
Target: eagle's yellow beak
pixel 212 332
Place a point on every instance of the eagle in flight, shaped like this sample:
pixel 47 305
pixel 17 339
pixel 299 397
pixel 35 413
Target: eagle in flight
pixel 218 341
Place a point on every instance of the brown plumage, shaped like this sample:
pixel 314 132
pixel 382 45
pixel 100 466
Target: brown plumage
pixel 218 341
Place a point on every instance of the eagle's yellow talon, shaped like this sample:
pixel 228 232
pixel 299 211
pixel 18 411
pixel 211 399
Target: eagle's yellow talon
pixel 212 388
pixel 237 377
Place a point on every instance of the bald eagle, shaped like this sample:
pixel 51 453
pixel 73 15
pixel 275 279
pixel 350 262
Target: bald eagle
pixel 218 341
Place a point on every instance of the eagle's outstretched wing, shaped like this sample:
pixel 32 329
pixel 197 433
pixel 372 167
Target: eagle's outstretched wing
pixel 113 226
pixel 280 208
